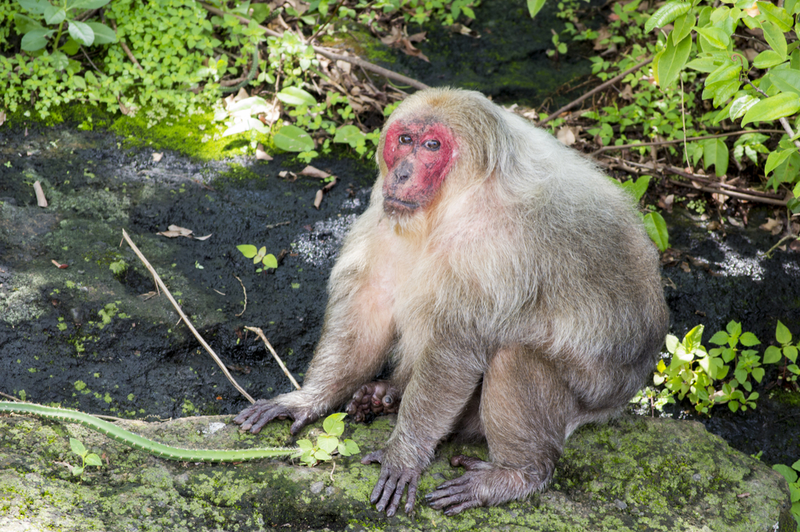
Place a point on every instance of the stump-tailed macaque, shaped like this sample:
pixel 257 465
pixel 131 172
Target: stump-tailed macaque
pixel 511 285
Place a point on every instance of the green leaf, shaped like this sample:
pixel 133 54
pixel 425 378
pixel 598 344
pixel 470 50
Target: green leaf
pixel 782 333
pixel 93 459
pixel 77 471
pixel 34 6
pixel 791 352
pixel 725 72
pixel 81 32
pixel 671 341
pixel 349 134
pixel 637 187
pixel 247 250
pixel 768 59
pixel 693 339
pixel 774 160
pixel 322 456
pixel 666 14
pixel 77 447
pixel 779 106
pixel 305 445
pixel 786 79
pixel 270 261
pixel 716 37
pixel 292 138
pixel 776 14
pixel 656 229
pixel 79 82
pixel 334 424
pixel 705 63
pixel 788 473
pixel 715 152
pixel 534 6
pixel 54 15
pixel 327 443
pixel 87 4
pixel 683 27
pixel 35 39
pixel 102 33
pixel 352 447
pixel 296 96
pixel 772 355
pixel 740 105
pixel 721 91
pixel 719 338
pixel 749 339
pixel 670 61
pixel 775 38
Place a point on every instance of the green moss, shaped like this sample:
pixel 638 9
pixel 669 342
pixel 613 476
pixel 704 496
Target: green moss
pixel 786 397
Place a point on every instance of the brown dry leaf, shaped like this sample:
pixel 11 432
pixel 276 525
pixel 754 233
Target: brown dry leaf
pixel 2 117
pixel 772 225
pixel 314 172
pixel 417 37
pixel 122 107
pixel 41 200
pixel 203 237
pixel 157 157
pixel 463 30
pixel 750 54
pixel 330 185
pixel 318 198
pixel 396 39
pixel 566 134
pixel 262 155
pixel 602 35
pixel 627 93
pixel 175 231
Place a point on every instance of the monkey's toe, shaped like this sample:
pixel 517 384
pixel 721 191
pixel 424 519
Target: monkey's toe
pixel 374 398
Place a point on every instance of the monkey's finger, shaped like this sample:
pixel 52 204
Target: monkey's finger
pixel 247 413
pixel 412 496
pixel 453 510
pixel 387 484
pixel 469 463
pixel 300 421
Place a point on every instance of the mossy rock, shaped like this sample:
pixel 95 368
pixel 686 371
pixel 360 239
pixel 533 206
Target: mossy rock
pixel 637 474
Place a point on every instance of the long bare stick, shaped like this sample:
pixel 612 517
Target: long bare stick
pixel 261 335
pixel 678 141
pixel 183 316
pixel 595 90
pixel 330 55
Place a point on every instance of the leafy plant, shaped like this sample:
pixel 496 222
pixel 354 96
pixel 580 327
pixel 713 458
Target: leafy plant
pixel 87 458
pixel 792 476
pixel 786 352
pixel 328 444
pixel 35 36
pixel 706 33
pixel 267 260
pixel 654 223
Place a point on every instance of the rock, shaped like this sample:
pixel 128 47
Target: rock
pixel 635 473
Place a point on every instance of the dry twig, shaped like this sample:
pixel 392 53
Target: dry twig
pixel 183 316
pixel 261 335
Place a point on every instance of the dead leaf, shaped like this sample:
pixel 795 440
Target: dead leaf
pixel 157 157
pixel 314 172
pixel 203 237
pixel 602 35
pixel 627 93
pixel 318 198
pixel 685 267
pixel 714 226
pixel 2 117
pixel 772 225
pixel 566 134
pixel 41 200
pixel 125 110
pixel 417 37
pixel 262 155
pixel 330 185
pixel 175 231
pixel 344 66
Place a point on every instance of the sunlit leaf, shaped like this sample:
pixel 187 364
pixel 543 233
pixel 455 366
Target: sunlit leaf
pixel 35 39
pixel 782 333
pixel 247 250
pixel 779 106
pixel 102 33
pixel 666 14
pixel 656 229
pixel 716 37
pixel 671 60
pixel 775 37
pixel 768 59
pixel 534 6
pixel 683 26
pixel 786 79
pixel 292 138
pixel 270 261
pixel 296 96
pixel 81 32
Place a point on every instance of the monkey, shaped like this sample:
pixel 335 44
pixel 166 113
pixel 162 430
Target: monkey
pixel 509 284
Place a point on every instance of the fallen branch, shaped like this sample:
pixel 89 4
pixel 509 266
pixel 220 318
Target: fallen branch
pixel 261 335
pixel 731 193
pixel 331 55
pixel 183 316
pixel 680 141
pixel 595 90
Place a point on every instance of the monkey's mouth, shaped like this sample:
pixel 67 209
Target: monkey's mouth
pixel 396 207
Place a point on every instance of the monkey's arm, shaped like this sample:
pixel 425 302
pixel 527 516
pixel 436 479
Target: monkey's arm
pixel 354 345
pixel 442 384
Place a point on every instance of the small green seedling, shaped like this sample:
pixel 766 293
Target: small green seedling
pixel 792 476
pixel 87 458
pixel 268 260
pixel 328 444
pixel 773 354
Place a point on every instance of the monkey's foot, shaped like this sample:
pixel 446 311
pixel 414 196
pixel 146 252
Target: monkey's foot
pixel 483 484
pixel 254 417
pixel 391 485
pixel 376 398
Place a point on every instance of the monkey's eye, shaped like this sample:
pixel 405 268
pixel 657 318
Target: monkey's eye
pixel 432 144
pixel 405 139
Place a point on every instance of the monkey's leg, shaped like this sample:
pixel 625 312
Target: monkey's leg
pixel 440 388
pixel 525 411
pixel 379 397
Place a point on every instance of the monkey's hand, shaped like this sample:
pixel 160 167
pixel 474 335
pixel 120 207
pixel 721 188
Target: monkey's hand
pixel 254 417
pixel 391 485
pixel 459 494
pixel 378 397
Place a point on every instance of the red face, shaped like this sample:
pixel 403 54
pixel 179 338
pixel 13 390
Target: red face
pixel 419 154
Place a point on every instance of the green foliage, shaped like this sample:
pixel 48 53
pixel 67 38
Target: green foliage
pixel 772 93
pixel 792 476
pixel 328 444
pixel 267 260
pixel 87 458
pixel 654 223
pixel 35 36
pixel 118 267
pixel 724 374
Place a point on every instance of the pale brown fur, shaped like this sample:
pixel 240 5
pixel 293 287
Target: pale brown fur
pixel 527 286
